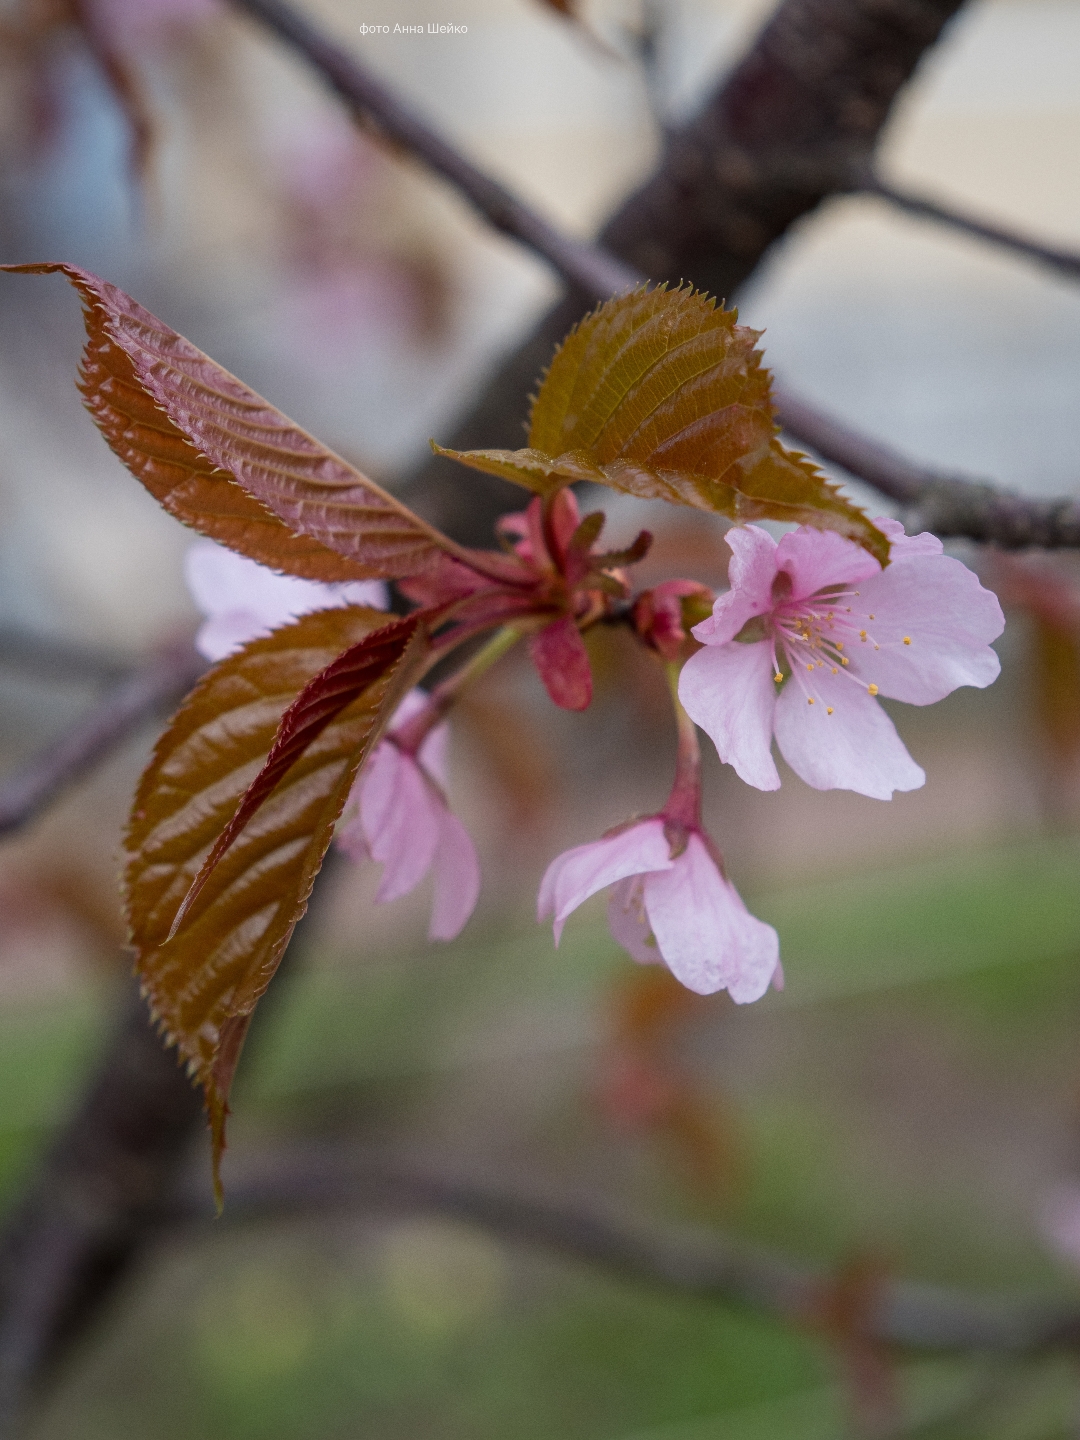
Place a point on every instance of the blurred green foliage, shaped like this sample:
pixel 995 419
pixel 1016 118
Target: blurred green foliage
pixel 962 969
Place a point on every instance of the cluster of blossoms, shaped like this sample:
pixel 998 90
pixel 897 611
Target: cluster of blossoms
pixel 811 631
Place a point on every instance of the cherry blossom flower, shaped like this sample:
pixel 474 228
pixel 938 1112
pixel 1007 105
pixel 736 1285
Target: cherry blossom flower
pixel 811 631
pixel 671 903
pixel 405 824
pixel 242 599
pixel 400 817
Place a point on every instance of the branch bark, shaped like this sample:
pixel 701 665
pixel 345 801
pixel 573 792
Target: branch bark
pixel 690 1260
pixel 97 1196
pixel 154 687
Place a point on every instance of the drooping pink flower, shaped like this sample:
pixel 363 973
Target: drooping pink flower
pixel 405 824
pixel 400 817
pixel 811 631
pixel 671 904
pixel 242 599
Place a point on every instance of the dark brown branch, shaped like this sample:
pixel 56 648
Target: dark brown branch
pixel 154 687
pixel 946 504
pixel 796 117
pixel 1065 262
pixel 98 1195
pixel 691 1260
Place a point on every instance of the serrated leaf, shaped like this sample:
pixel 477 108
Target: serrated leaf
pixel 204 982
pixel 660 394
pixel 228 463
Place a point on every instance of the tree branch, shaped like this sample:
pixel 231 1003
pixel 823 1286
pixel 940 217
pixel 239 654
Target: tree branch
pixel 580 263
pixel 56 660
pixel 791 124
pixel 690 1260
pixel 154 687
pixel 1065 262
pixel 98 1194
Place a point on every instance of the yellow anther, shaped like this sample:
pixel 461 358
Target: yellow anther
pixel 862 634
pixel 843 660
pixel 828 709
pixel 839 644
pixel 871 689
pixel 835 671
pixel 778 677
pixel 810 701
pixel 809 666
pixel 907 639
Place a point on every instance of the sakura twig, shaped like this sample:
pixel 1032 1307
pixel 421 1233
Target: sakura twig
pixel 1065 262
pixel 689 1260
pixel 582 264
pixel 56 660
pixel 948 504
pixel 141 695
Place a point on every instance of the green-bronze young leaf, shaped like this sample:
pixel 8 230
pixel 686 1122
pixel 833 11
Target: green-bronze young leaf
pixel 204 982
pixel 662 395
pixel 228 463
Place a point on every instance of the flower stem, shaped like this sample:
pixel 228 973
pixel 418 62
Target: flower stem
pixel 410 736
pixel 684 803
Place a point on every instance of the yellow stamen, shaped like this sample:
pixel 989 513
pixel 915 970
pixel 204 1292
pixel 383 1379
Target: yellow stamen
pixel 810 701
pixel 872 689
pixel 843 660
pixel 839 644
pixel 828 709
pixel 778 677
pixel 862 634
pixel 907 639
pixel 835 670
pixel 809 667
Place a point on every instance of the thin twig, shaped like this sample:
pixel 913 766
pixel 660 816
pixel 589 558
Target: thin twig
pixel 56 660
pixel 1065 262
pixel 695 1261
pixel 948 504
pixel 154 687
pixel 577 261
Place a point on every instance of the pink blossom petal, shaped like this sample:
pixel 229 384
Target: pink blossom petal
pixel 707 937
pixel 730 692
pixel 432 753
pixel 903 546
pixel 628 923
pixel 457 879
pixel 401 815
pixel 576 874
pixel 932 623
pixel 816 558
pixel 227 632
pixel 856 747
pixel 559 654
pixel 750 575
pixel 243 599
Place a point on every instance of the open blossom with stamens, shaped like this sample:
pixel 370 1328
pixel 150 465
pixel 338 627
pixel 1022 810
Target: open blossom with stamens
pixel 671 903
pixel 400 816
pixel 406 825
pixel 811 631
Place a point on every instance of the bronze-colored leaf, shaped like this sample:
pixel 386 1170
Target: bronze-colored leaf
pixel 204 983
pixel 662 395
pixel 225 461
